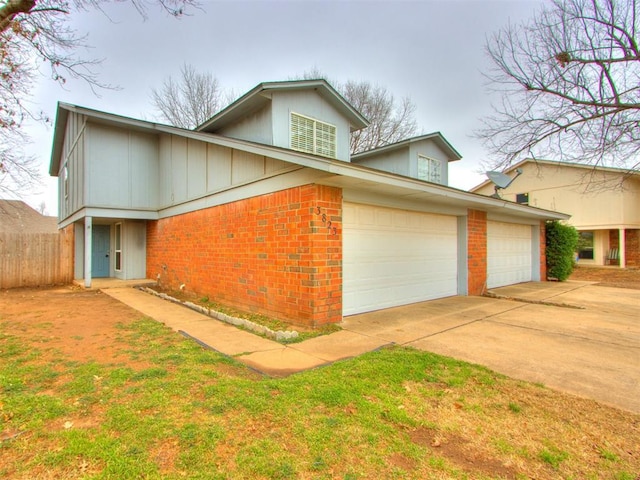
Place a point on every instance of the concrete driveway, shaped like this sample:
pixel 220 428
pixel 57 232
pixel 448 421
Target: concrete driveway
pixel 592 351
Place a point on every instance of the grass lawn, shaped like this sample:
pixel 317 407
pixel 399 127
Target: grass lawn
pixel 164 407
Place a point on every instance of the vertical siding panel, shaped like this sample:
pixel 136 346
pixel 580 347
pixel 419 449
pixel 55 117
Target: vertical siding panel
pixel 196 168
pixel 218 167
pixel 246 166
pixel 178 169
pixel 165 170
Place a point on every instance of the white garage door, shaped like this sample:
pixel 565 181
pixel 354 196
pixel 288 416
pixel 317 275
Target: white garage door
pixel 395 257
pixel 508 254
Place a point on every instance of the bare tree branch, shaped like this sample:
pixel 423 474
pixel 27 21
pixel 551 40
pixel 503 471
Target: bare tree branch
pixel 190 100
pixel 390 121
pixel 33 32
pixel 570 85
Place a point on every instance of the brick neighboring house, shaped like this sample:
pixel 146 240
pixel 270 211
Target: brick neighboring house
pixel 263 208
pixel 604 204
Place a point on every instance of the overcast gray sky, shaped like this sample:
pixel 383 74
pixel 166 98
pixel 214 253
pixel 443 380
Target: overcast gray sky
pixel 431 51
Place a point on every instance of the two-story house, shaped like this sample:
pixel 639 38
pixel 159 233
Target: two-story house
pixel 263 208
pixel 604 204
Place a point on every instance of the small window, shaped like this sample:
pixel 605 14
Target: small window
pixel 118 249
pixel 585 245
pixel 522 198
pixel 429 169
pixel 312 136
pixel 65 180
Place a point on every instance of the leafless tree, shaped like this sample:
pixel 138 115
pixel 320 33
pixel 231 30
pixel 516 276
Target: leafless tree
pixel 570 84
pixel 33 32
pixel 391 121
pixel 191 100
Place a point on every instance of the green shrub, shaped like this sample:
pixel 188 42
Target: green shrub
pixel 562 241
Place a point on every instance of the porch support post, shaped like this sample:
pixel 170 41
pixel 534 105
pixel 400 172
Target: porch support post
pixel 87 251
pixel 622 248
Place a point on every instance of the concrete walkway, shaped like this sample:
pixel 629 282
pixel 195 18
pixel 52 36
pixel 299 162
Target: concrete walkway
pixel 592 351
pixel 261 354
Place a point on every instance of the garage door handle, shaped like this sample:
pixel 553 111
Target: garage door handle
pixel 107 255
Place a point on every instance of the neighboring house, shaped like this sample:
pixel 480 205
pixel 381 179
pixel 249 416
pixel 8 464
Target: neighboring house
pixel 263 208
pixel 18 217
pixel 604 204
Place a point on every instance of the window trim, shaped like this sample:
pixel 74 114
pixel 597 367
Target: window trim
pixel 430 172
pixel 118 246
pixel 317 141
pixel 65 180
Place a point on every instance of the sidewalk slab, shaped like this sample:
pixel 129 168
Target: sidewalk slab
pixel 217 335
pixel 281 362
pixel 339 345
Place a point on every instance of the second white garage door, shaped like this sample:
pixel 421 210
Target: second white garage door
pixel 508 254
pixel 395 257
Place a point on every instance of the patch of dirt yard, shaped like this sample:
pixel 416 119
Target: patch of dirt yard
pixel 608 276
pixel 81 324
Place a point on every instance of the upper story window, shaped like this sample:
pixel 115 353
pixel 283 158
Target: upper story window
pixel 65 180
pixel 312 136
pixel 522 198
pixel 429 169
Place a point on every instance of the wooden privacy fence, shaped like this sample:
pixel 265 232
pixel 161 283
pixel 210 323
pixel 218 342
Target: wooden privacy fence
pixel 35 259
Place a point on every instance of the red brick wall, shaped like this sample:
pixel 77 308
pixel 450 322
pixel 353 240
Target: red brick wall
pixel 476 252
pixel 632 247
pixel 274 254
pixel 614 239
pixel 543 251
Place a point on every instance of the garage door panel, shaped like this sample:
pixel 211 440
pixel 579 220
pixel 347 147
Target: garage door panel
pixel 396 257
pixel 509 248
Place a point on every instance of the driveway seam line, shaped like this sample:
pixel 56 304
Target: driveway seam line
pixel 562 334
pixel 488 317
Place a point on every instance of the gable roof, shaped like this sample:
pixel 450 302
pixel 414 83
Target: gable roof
pixel 18 217
pixel 259 96
pixel 582 166
pixel 437 137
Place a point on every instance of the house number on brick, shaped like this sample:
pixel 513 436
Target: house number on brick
pixel 326 221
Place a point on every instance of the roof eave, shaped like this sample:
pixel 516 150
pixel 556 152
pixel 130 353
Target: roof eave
pixel 356 120
pixel 331 166
pixel 58 138
pixel 453 154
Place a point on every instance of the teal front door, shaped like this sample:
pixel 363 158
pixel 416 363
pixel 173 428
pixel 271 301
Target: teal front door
pixel 100 251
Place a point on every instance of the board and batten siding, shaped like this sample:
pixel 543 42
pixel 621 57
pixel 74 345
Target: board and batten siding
pixel 134 245
pixel 190 169
pixel 122 168
pixel 72 198
pixel 397 162
pixel 404 160
pixel 257 127
pixel 309 104
pixel 428 148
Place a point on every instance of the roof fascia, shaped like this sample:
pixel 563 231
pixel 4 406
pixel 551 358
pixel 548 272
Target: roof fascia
pixel 437 136
pixel 62 113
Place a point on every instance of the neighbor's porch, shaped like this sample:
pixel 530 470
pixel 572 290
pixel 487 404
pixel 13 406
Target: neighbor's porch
pixel 607 247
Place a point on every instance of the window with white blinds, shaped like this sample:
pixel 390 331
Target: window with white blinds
pixel 429 169
pixel 312 136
